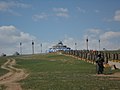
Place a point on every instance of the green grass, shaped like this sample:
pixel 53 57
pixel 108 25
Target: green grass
pixel 2 61
pixel 2 71
pixel 2 87
pixel 59 72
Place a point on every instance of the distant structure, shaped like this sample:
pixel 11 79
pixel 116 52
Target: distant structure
pixel 3 55
pixel 16 54
pixel 59 47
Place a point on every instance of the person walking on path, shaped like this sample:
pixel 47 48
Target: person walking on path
pixel 99 64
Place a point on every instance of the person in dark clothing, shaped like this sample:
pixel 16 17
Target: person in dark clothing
pixel 99 64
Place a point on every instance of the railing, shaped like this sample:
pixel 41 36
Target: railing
pixel 90 55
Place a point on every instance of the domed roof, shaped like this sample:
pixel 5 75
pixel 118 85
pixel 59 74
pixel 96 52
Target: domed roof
pixel 60 43
pixel 59 47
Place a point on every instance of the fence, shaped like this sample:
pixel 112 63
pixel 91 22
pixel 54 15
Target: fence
pixel 90 55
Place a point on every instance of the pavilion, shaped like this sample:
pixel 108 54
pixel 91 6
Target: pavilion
pixel 59 47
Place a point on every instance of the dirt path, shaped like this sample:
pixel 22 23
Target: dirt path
pixel 10 80
pixel 115 76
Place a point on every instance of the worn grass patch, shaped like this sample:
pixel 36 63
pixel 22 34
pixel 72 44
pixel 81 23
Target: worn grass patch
pixel 59 72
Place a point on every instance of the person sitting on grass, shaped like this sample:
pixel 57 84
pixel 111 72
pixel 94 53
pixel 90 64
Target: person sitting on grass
pixel 99 64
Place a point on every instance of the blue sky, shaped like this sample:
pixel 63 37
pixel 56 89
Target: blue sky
pixel 48 21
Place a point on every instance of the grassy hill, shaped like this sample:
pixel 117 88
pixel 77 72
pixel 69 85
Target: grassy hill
pixel 59 72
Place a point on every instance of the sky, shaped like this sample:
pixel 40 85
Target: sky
pixel 47 22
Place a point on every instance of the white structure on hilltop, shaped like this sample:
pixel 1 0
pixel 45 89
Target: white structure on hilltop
pixel 59 47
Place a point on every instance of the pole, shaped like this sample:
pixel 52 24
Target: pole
pixel 41 47
pixel 32 47
pixel 21 48
pixel 75 46
pixel 99 45
pixel 87 43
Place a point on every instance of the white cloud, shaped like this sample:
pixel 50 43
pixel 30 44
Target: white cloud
pixel 22 5
pixel 117 15
pixel 10 37
pixel 13 35
pixel 70 42
pixel 38 17
pixel 81 10
pixel 8 6
pixel 109 39
pixel 94 31
pixel 110 35
pixel 97 11
pixel 107 20
pixel 62 15
pixel 5 5
pixel 65 10
pixel 11 27
pixel 61 12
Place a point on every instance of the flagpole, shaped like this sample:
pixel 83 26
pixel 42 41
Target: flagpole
pixel 21 48
pixel 75 46
pixel 99 44
pixel 87 43
pixel 41 47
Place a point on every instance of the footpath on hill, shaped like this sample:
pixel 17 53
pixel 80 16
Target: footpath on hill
pixel 10 79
